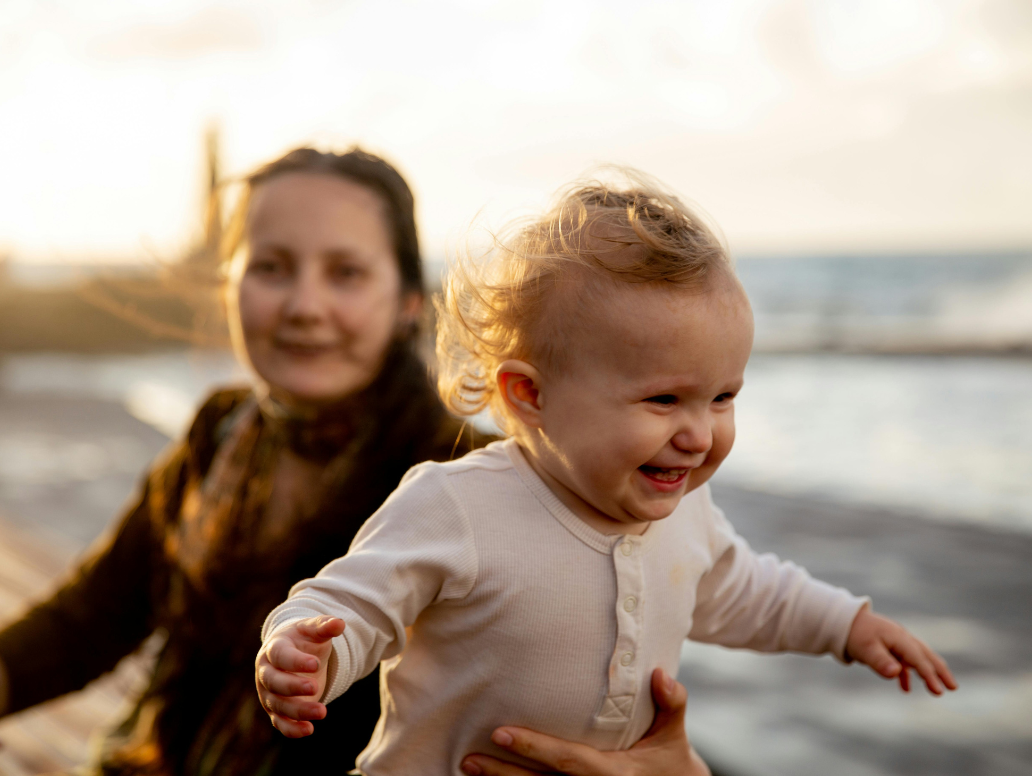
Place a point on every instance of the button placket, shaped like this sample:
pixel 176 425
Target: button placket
pixel 623 667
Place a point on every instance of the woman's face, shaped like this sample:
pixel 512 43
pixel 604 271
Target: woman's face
pixel 317 287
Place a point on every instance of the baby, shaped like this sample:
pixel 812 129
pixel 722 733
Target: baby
pixel 540 581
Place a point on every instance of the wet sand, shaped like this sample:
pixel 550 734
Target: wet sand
pixel 67 465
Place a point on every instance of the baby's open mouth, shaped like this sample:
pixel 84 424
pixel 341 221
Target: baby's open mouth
pixel 662 474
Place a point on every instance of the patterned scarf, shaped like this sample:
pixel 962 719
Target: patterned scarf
pixel 221 518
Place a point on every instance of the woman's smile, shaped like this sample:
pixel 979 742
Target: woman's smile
pixel 305 349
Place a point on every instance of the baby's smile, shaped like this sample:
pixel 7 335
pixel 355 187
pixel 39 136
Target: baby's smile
pixel 665 479
pixel 664 475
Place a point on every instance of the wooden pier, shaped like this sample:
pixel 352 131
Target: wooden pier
pixel 55 736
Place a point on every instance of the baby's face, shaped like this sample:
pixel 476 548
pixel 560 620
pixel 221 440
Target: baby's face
pixel 645 413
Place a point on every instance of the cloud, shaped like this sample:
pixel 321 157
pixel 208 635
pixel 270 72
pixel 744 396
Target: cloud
pixel 211 30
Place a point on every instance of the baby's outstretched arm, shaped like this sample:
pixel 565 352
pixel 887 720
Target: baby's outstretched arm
pixel 891 651
pixel 290 674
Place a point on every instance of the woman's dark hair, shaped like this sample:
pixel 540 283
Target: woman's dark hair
pixel 363 168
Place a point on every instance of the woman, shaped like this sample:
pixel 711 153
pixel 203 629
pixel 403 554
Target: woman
pixel 325 293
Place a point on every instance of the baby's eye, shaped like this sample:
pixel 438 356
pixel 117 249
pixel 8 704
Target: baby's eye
pixel 724 398
pixel 666 398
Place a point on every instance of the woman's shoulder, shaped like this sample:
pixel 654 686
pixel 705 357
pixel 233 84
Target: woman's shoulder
pixel 191 454
pixel 209 424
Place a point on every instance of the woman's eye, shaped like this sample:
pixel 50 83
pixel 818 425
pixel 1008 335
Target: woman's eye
pixel 666 398
pixel 344 271
pixel 266 266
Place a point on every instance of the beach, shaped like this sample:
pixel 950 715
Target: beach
pixel 952 564
pixel 965 589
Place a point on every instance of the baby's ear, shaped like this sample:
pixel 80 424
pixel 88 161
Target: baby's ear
pixel 519 384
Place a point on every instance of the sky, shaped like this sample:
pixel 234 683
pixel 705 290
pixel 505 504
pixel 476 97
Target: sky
pixel 799 127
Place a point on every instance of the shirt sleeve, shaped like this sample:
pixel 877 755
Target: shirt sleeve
pixel 761 602
pixel 416 550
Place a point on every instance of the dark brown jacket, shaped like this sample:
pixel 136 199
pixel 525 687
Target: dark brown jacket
pixel 200 713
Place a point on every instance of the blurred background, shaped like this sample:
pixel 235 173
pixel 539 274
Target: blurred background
pixel 869 163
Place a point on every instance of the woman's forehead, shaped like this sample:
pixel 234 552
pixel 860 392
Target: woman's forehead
pixel 309 195
pixel 306 212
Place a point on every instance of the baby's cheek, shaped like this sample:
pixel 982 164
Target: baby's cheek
pixel 605 473
pixel 723 438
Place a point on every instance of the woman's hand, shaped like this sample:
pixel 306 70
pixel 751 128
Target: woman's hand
pixel 290 674
pixel 664 751
pixel 891 651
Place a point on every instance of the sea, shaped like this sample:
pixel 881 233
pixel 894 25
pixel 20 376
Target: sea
pixel 898 382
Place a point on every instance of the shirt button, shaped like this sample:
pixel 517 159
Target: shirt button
pixel 627 658
pixel 630 603
pixel 626 548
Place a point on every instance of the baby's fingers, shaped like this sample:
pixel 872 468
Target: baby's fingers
pixel 915 653
pixel 936 673
pixel 942 670
pixel 282 654
pixel 904 679
pixel 292 728
pixel 283 683
pixel 293 709
pixel 931 678
pixel 320 629
pixel 879 658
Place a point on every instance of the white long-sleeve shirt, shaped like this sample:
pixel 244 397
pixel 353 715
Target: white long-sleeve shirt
pixel 522 614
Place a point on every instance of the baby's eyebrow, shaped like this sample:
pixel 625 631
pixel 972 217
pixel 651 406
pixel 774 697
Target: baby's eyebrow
pixel 669 386
pixel 687 386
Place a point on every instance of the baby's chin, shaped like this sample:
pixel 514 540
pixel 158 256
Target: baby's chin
pixel 657 510
pixel 661 506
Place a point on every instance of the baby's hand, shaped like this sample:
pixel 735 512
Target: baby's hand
pixel 889 649
pixel 290 673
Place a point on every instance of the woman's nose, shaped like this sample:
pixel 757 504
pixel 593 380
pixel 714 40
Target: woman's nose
pixel 695 436
pixel 306 300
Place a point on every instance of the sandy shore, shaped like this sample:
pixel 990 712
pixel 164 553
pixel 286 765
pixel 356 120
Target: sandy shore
pixel 71 463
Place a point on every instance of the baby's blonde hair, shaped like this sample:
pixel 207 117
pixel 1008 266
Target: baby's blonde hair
pixel 514 301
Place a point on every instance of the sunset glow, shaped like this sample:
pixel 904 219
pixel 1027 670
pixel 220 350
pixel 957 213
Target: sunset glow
pixel 797 126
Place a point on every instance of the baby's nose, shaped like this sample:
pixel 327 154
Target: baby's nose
pixel 695 439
